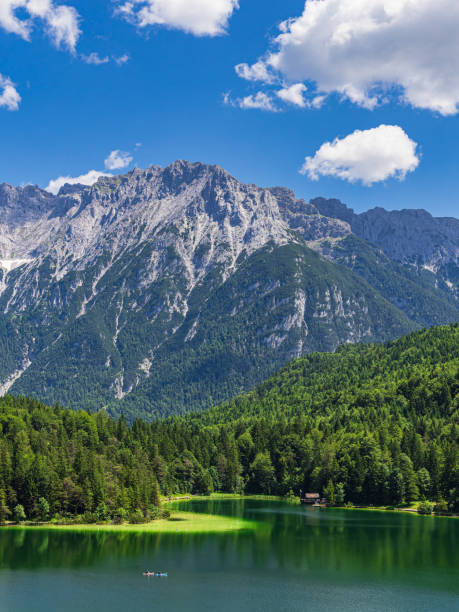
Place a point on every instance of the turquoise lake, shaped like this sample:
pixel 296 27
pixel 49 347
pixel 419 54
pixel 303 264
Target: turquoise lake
pixel 299 559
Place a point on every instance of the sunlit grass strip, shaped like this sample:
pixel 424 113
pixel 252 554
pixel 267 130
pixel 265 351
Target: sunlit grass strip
pixel 179 522
pixel 222 496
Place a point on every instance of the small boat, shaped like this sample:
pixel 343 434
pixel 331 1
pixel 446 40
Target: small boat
pixel 161 574
pixel 148 573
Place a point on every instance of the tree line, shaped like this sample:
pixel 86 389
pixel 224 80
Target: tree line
pixel 374 424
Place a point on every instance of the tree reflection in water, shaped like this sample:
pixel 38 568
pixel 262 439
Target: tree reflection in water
pixel 347 544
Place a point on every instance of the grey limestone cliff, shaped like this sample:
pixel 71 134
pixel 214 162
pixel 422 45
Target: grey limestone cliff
pixel 173 288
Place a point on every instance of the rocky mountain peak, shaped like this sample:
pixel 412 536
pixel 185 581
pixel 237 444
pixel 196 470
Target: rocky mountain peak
pixel 411 236
pixel 181 285
pixel 69 189
pixel 334 208
pixel 20 205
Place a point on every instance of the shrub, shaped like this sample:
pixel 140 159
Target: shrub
pixel 120 515
pixel 136 517
pixel 441 507
pixel 290 497
pixel 102 512
pixel 425 507
pixel 19 514
pixel 89 517
pixel 153 513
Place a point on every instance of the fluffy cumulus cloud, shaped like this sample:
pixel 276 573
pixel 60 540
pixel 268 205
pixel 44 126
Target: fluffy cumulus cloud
pixel 9 97
pixel 118 160
pixel 257 72
pixel 369 156
pixel 198 17
pixel 258 101
pixel 89 178
pixel 61 22
pixel 369 51
pixel 293 94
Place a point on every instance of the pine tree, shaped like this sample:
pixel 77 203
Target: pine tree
pixel 156 494
pixel 339 494
pixel 330 493
pixel 5 512
pixel 19 514
pixel 43 509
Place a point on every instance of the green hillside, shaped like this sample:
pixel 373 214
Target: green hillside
pixel 405 376
pixel 372 424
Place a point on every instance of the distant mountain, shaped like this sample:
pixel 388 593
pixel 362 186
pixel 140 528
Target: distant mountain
pixel 410 237
pixel 172 289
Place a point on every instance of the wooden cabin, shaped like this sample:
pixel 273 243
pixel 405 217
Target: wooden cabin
pixel 310 498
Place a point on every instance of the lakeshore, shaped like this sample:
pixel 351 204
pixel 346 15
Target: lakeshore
pixel 183 522
pixel 407 510
pixel 296 501
pixel 179 522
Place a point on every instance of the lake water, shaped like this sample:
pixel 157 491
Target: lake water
pixel 299 559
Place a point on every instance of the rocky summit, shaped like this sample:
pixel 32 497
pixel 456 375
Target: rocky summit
pixel 170 289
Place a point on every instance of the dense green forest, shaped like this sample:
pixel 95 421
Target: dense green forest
pixel 373 424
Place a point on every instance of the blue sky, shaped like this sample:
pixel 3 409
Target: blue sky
pixel 170 98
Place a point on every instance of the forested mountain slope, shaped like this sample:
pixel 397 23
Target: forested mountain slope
pixel 370 424
pixel 414 376
pixel 171 289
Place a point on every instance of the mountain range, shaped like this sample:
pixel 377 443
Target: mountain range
pixel 172 289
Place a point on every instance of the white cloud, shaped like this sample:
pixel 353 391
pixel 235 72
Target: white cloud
pixel 293 94
pixel 61 22
pixel 259 101
pixel 370 51
pixel 118 159
pixel 123 59
pixel 198 17
pixel 63 26
pixel 94 58
pixel 369 156
pixel 89 178
pixel 317 101
pixel 257 72
pixel 9 97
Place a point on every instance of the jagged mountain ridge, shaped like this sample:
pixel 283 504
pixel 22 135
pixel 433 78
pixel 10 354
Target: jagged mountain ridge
pixel 169 289
pixel 427 246
pixel 410 236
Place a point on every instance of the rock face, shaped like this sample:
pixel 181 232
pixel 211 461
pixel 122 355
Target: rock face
pixel 170 289
pixel 408 236
pixel 415 238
